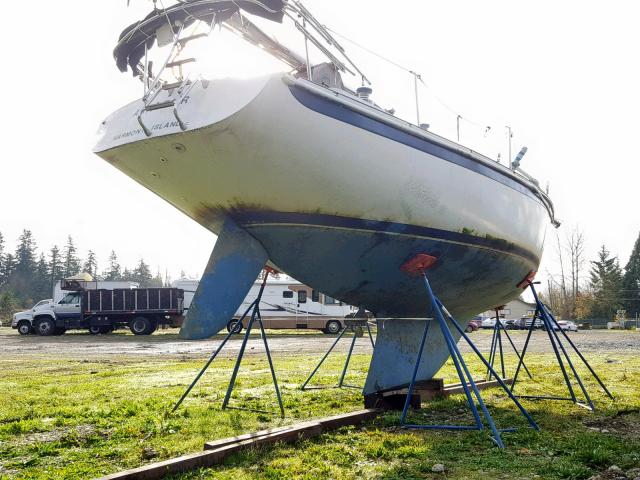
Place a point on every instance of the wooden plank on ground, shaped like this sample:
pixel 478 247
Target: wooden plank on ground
pixel 215 452
pixel 247 436
pixel 482 384
pixel 351 418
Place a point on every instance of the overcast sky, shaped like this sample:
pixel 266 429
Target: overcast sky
pixel 564 75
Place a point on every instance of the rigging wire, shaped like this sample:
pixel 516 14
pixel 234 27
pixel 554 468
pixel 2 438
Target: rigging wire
pixel 486 128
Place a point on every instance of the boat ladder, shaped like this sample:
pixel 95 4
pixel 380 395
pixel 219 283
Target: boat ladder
pixel 182 86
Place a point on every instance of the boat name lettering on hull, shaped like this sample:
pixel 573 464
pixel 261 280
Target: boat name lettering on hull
pixel 138 131
pixel 162 126
pixel 129 133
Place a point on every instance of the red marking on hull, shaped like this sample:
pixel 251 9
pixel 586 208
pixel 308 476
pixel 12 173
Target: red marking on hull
pixel 418 264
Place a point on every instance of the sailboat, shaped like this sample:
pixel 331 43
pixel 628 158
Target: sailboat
pixel 300 172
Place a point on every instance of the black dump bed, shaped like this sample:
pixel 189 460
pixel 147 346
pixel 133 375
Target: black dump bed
pixel 131 300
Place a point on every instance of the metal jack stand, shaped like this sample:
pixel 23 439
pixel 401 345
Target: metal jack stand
pixel 496 345
pixel 350 324
pixel 552 328
pixel 417 266
pixel 255 315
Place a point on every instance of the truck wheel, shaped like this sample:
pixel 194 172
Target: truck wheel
pixel 24 328
pixel 332 327
pixel 100 329
pixel 45 327
pixel 232 324
pixel 142 326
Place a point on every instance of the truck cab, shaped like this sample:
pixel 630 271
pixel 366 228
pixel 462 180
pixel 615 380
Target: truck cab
pixel 49 318
pixel 22 321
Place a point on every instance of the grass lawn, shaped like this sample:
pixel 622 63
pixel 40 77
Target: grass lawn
pixel 81 419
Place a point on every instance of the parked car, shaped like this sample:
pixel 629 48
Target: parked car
pixel 472 326
pixel 491 322
pixel 510 324
pixel 567 325
pixel 525 323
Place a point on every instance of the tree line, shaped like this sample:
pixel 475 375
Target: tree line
pixel 28 275
pixel 598 289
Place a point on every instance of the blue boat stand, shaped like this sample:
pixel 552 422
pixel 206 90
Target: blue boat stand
pixel 552 328
pixel 254 308
pixel 443 317
pixel 348 325
pixel 496 346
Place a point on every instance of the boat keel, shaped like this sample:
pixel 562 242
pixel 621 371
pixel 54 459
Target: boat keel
pixel 395 353
pixel 235 262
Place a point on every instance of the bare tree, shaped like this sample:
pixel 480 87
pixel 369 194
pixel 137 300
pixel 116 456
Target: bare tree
pixel 574 245
pixel 564 297
pixel 564 304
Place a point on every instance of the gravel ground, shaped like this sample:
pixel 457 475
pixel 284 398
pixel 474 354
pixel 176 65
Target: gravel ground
pixel 167 343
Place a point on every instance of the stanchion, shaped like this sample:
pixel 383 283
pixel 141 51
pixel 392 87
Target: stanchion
pixel 254 308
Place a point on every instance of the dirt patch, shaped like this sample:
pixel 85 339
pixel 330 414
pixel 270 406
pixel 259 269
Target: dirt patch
pixel 625 424
pixel 75 434
pixel 616 473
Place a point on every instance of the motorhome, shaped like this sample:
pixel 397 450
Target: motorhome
pixel 285 304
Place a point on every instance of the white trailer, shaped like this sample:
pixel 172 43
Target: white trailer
pixel 285 304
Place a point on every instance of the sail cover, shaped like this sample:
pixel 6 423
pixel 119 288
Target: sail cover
pixel 138 37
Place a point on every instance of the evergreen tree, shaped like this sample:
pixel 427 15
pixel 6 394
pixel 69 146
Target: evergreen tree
pixel 157 282
pixel 631 282
pixel 2 279
pixel 142 274
pixel 23 279
pixel 606 285
pixel 8 305
pixel 91 265
pixel 26 254
pixel 8 267
pixel 113 271
pixel 42 284
pixel 70 260
pixel 56 267
pixel 127 275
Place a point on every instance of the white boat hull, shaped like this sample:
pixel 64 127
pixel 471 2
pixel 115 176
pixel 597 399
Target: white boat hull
pixel 340 195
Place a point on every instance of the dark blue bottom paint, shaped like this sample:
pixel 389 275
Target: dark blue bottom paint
pixel 363 268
